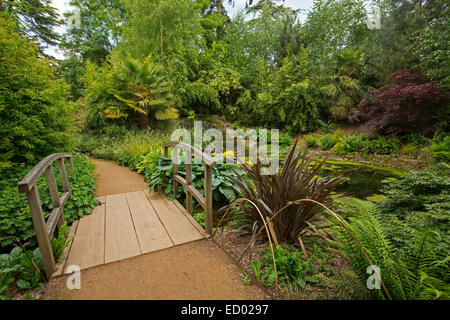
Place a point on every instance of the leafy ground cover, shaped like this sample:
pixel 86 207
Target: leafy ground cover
pixel 20 260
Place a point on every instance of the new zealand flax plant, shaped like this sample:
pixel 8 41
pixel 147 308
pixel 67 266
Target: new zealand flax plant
pixel 297 178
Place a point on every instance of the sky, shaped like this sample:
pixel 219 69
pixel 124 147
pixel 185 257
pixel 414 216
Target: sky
pixel 63 6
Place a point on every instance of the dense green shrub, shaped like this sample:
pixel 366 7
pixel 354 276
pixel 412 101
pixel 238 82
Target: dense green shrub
pixel 15 217
pixel 381 145
pixel 349 144
pixel 417 140
pixel 441 149
pixel 34 112
pixel 17 268
pixel 417 191
pixel 326 142
pixel 311 140
pixel 417 201
pixel 292 270
pixel 409 149
pixel 126 147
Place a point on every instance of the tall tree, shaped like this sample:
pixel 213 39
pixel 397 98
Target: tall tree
pixel 93 36
pixel 392 45
pixel 162 28
pixel 97 30
pixel 36 18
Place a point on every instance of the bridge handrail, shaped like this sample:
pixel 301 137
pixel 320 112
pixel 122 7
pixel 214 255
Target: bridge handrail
pixel 204 201
pixel 45 229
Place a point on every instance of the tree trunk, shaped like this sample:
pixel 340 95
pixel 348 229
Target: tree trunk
pixel 219 6
pixel 143 118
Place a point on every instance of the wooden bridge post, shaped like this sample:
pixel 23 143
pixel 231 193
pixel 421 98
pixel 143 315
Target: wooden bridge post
pixel 188 181
pixel 41 231
pixel 63 174
pixel 175 183
pixel 208 199
pixel 205 201
pixel 53 189
pixel 44 230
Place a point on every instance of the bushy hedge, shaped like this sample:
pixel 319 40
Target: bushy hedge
pixel 34 112
pixel 418 201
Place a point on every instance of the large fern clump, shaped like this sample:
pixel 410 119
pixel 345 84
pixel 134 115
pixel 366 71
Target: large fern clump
pixel 424 274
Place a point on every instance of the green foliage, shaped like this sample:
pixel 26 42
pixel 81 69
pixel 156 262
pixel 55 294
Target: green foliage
pixel 418 190
pixel 285 139
pixel 441 150
pixel 343 90
pixel 34 113
pixel 431 45
pixel 326 142
pixel 417 201
pixel 348 144
pixel 92 40
pixel 60 242
pixel 291 271
pixel 200 96
pixel 311 140
pixel 165 29
pixel 381 145
pixel 144 87
pixel 415 142
pixel 409 149
pixel 17 269
pixel 288 100
pixel 222 185
pixel 245 279
pixel 200 218
pixel 332 25
pixel 15 217
pixel 134 149
pixel 37 19
pixel 423 274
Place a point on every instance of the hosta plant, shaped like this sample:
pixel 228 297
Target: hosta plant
pixel 298 178
pixel 222 185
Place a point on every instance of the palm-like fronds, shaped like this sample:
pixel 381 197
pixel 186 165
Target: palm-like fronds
pixel 145 89
pixel 296 179
pixel 342 89
pixel 423 275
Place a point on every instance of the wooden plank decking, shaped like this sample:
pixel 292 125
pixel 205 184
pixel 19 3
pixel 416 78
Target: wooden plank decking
pixel 127 225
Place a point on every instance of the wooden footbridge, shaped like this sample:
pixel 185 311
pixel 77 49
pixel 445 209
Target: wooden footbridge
pixel 123 225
